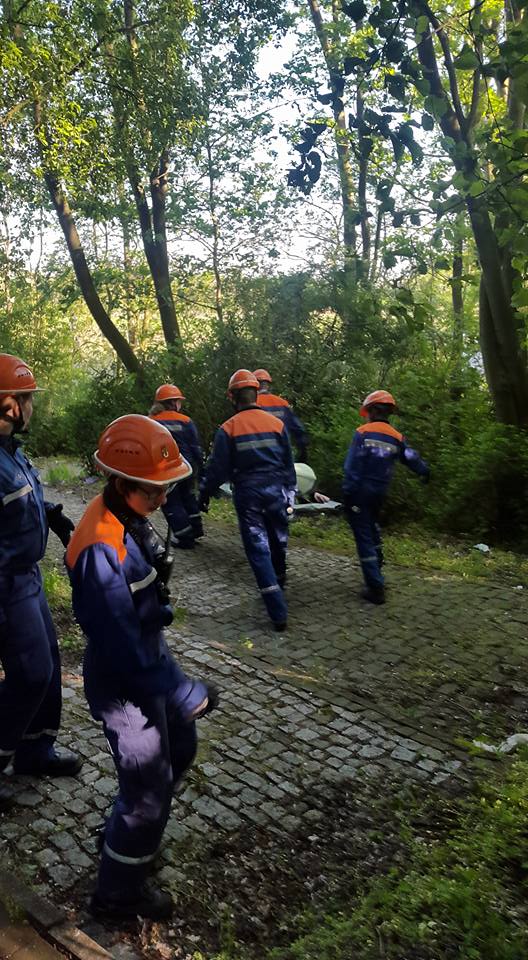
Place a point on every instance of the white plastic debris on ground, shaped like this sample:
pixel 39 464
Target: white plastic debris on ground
pixel 483 547
pixel 516 739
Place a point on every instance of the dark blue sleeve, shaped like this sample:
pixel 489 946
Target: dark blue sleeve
pixel 296 428
pixel 195 445
pixel 351 463
pixel 105 610
pixel 219 467
pixel 291 479
pixel 412 459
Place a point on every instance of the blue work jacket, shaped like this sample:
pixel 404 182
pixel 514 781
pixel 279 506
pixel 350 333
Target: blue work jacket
pixel 184 432
pixel 23 524
pixel 252 448
pixel 116 603
pixel 280 408
pixel 372 455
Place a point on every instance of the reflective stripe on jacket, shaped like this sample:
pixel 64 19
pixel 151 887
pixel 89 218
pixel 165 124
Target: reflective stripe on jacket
pixel 371 457
pixel 115 601
pixel 252 447
pixel 184 432
pixel 280 408
pixel 23 524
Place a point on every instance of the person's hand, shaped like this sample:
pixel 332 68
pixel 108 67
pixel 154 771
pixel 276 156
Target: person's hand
pixel 209 704
pixel 321 497
pixel 61 525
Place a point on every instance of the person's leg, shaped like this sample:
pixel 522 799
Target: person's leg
pixel 278 529
pixel 138 738
pixel 190 504
pixel 35 752
pixel 252 523
pixel 361 522
pixel 30 694
pixel 178 519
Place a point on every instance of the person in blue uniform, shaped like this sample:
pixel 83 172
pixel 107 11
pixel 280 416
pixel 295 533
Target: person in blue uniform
pixel 30 694
pixel 376 447
pixel 280 408
pixel 252 451
pixel 119 569
pixel 181 510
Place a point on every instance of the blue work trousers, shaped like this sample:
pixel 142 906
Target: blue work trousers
pixel 152 748
pixel 263 521
pixel 182 512
pixel 30 694
pixel 362 514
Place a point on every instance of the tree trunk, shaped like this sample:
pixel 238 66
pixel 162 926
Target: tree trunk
pixel 219 302
pixel 352 265
pixel 85 280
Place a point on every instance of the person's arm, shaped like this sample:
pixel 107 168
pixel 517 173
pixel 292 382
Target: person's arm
pixel 298 433
pixel 105 610
pixel 195 446
pixel 351 464
pixel 217 470
pixel 412 459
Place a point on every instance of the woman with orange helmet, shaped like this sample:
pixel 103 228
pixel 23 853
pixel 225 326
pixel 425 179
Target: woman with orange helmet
pixel 181 510
pixel 30 694
pixel 119 569
pixel 369 465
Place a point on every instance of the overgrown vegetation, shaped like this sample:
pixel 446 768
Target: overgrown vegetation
pixel 461 896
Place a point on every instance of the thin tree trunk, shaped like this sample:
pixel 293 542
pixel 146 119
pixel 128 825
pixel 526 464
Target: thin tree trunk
pixel 219 304
pixel 344 158
pixel 85 280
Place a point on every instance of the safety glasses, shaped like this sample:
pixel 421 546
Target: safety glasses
pixel 153 494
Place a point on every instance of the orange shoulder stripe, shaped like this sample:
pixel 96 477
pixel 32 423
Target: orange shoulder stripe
pixel 271 400
pixel 378 426
pixel 97 525
pixel 252 422
pixel 170 415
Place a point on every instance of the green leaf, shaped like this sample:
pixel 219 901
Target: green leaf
pixel 357 10
pixel 466 59
pixel 476 188
pixel 428 121
pixel 422 24
pixel 395 50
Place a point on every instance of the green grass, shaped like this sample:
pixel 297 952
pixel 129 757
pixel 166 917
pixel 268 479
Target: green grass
pixel 462 897
pixel 59 471
pixel 58 593
pixel 413 547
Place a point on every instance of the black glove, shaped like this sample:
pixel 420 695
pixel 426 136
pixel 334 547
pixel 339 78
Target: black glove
pixel 203 502
pixel 61 525
pixel 213 699
pixel 302 453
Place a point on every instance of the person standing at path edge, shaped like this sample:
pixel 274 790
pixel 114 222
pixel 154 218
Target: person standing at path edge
pixel 252 450
pixel 369 466
pixel 181 510
pixel 119 569
pixel 30 694
pixel 280 408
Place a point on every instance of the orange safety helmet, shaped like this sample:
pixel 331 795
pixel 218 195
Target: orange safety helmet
pixel 138 448
pixel 241 379
pixel 168 392
pixel 15 376
pixel 263 375
pixel 377 396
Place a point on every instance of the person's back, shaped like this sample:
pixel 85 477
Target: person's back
pixel 252 451
pixel 279 407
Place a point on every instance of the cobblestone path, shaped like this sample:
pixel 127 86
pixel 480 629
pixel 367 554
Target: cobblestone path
pixel 348 695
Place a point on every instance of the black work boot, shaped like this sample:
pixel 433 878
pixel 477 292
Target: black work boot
pixel 65 764
pixel 281 626
pixel 374 594
pixel 150 903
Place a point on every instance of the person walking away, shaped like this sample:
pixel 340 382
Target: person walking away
pixel 280 407
pixel 181 510
pixel 118 570
pixel 252 451
pixel 375 448
pixel 30 693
